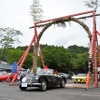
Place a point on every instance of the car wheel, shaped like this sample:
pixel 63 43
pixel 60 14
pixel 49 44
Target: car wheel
pixel 62 85
pixel 23 88
pixel 43 86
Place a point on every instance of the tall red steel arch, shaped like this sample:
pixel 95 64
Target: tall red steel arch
pixel 92 50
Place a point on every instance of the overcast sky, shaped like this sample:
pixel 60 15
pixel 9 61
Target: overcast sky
pixel 16 14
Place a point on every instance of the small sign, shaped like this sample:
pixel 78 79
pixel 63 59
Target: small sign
pixel 24 84
pixel 14 67
pixel 78 80
pixel 98 69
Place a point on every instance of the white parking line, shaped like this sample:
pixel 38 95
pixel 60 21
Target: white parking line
pixel 92 95
pixel 6 98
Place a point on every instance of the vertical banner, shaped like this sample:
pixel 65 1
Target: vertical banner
pixel 14 67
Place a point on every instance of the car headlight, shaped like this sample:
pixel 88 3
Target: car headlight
pixel 18 77
pixel 37 77
pixel 24 79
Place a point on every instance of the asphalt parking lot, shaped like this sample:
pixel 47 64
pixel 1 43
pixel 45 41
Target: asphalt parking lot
pixel 69 93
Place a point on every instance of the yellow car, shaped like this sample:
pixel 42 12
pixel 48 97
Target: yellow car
pixel 80 78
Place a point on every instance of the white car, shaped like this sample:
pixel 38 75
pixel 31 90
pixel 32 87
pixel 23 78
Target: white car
pixel 2 72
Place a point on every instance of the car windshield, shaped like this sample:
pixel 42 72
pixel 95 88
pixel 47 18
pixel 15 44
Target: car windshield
pixel 81 74
pixel 44 71
pixel 63 74
pixel 2 72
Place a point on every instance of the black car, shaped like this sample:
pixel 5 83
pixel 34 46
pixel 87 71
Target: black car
pixel 63 74
pixel 43 81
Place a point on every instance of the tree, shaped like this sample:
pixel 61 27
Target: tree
pixel 82 58
pixel 57 58
pixel 9 37
pixel 79 55
pixel 36 11
pixel 15 55
pixel 94 4
pixel 77 49
pixel 37 15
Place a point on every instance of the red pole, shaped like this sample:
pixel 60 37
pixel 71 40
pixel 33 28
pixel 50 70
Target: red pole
pixel 66 16
pixel 23 59
pixel 95 50
pixel 98 57
pixel 95 65
pixel 92 51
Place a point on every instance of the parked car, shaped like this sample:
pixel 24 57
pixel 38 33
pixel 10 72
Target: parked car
pixel 42 79
pixel 63 74
pixel 99 77
pixel 21 74
pixel 80 78
pixel 6 76
pixel 2 72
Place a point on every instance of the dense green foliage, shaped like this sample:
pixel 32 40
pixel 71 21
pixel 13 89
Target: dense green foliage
pixel 79 57
pixel 8 38
pixel 12 55
pixel 76 49
pixel 59 58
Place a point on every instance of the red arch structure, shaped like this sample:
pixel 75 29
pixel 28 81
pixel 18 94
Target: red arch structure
pixel 92 51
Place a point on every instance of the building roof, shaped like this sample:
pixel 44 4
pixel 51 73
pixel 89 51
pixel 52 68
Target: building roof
pixel 7 67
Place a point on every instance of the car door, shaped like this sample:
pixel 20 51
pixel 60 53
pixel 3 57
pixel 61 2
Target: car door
pixel 56 80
